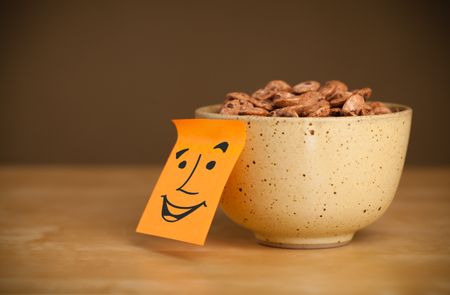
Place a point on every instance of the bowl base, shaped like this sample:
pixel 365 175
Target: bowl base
pixel 304 243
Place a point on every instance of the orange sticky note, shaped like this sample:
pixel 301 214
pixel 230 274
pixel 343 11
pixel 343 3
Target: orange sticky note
pixel 186 196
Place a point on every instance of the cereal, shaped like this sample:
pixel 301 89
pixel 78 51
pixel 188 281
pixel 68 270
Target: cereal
pixel 309 99
pixel 238 96
pixel 379 108
pixel 320 109
pixel 306 86
pixel 235 102
pixel 261 103
pixel 244 97
pixel 340 86
pixel 231 107
pixel 335 112
pixel 305 99
pixel 254 111
pixel 264 93
pixel 366 92
pixel 283 94
pixel 353 105
pixel 367 110
pixel 331 88
pixel 278 85
pixel 339 98
pixel 285 112
pixel 282 102
pixel 327 90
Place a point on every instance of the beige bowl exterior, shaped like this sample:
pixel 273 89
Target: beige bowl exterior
pixel 314 182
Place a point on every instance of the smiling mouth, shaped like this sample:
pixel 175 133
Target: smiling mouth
pixel 168 216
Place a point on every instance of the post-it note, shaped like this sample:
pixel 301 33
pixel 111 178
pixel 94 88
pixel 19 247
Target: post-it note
pixel 188 191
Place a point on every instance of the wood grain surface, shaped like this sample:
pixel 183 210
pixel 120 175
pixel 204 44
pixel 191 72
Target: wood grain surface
pixel 72 230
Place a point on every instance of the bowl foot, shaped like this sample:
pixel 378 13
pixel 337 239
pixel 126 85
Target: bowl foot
pixel 304 243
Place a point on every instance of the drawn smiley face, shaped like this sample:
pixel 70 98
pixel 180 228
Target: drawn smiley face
pixel 185 198
pixel 172 212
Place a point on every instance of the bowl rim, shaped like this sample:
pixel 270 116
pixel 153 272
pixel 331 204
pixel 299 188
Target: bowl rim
pixel 205 111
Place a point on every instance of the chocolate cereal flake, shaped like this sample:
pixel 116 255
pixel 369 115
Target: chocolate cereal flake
pixel 305 99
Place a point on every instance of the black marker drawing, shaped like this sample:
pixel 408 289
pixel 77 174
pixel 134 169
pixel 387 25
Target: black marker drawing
pixel 166 213
pixel 187 180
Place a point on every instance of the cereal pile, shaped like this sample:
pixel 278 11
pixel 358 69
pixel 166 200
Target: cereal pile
pixel 306 99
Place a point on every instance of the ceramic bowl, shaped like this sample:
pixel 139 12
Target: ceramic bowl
pixel 314 182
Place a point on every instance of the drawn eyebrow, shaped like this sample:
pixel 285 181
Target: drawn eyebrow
pixel 180 153
pixel 222 146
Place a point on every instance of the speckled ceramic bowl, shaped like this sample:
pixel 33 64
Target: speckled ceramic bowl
pixel 314 182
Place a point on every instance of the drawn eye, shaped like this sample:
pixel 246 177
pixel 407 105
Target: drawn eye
pixel 210 165
pixel 182 164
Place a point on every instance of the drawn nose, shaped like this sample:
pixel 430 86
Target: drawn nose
pixel 189 177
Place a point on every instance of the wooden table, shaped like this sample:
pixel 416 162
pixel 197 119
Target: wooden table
pixel 72 230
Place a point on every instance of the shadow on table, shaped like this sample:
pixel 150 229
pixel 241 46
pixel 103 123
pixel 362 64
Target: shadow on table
pixel 223 235
pixel 365 236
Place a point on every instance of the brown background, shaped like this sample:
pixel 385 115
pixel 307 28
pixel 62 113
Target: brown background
pixel 98 82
